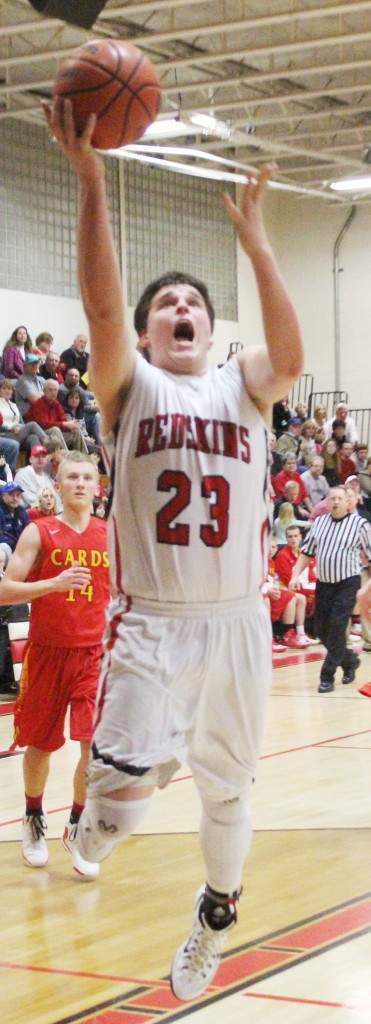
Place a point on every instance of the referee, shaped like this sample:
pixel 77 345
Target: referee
pixel 336 540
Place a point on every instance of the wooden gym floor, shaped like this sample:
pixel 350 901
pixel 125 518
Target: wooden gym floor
pixel 100 952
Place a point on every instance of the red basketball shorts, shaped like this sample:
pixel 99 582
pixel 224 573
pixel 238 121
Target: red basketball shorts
pixel 54 679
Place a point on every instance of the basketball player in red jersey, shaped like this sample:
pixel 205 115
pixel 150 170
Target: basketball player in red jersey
pixel 61 567
pixel 188 663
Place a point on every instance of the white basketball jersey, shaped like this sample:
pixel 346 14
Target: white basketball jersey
pixel 189 465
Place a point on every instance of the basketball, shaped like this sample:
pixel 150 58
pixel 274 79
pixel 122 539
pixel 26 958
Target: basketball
pixel 114 80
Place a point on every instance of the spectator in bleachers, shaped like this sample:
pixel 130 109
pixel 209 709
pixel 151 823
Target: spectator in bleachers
pixel 55 453
pixel 74 409
pixel 316 485
pixel 360 456
pixel 30 385
pixel 43 343
pixel 291 494
pixel 321 509
pixel 51 416
pixel 289 439
pixel 308 448
pixel 342 414
pixel 331 464
pixel 26 434
pixel 301 410
pixel 13 518
pixel 15 351
pixel 289 472
pixel 319 438
pixel 33 477
pixel 282 413
pixel 320 415
pixel 46 504
pixel 286 517
pixel 6 474
pixel 77 357
pixel 50 369
pixel 275 458
pixel 346 463
pixel 91 409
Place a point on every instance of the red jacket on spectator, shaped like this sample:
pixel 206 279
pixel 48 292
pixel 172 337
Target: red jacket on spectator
pixel 347 468
pixel 282 478
pixel 47 414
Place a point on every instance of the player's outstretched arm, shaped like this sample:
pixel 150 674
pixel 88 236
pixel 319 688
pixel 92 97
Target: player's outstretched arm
pixel 113 357
pixel 269 372
pixel 15 588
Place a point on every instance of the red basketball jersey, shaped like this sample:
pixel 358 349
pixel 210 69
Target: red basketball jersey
pixel 72 618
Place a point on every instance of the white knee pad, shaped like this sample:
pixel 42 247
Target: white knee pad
pixel 105 821
pixel 225 837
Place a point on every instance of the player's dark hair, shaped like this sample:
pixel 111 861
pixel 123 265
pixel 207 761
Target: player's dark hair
pixel 173 277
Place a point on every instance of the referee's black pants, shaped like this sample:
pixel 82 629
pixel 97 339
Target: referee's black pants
pixel 333 608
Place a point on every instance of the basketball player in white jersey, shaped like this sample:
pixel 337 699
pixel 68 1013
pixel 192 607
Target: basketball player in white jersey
pixel 188 662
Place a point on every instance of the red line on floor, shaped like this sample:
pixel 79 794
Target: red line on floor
pixel 305 1002
pixel 84 974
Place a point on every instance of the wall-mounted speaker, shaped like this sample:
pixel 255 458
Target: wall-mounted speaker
pixel 77 12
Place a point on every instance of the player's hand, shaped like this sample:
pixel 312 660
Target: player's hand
pixel 74 578
pixel 77 148
pixel 248 217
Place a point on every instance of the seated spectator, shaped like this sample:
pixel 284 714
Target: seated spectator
pixel 46 505
pixel 33 477
pixel 338 433
pixel 291 495
pixel 55 452
pixel 365 483
pixel 91 409
pixel 347 465
pixel 308 448
pixel 320 415
pixel 286 560
pixel 14 353
pixel 316 485
pixel 275 459
pixel 360 456
pixel 74 409
pixel 331 462
pixel 100 507
pixel 43 343
pixel 6 475
pixel 319 438
pixel 289 472
pixel 27 434
pixel 50 369
pixel 342 415
pixel 282 413
pixel 353 494
pixel 286 517
pixel 321 509
pixel 289 440
pixel 51 416
pixel 77 357
pixel 301 410
pixel 287 614
pixel 30 385
pixel 13 518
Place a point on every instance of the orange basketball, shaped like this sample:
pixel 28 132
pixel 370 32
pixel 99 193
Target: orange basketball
pixel 114 80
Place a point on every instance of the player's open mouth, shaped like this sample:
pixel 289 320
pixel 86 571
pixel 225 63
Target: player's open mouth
pixel 184 331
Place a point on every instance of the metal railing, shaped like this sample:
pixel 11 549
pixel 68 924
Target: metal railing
pixel 330 399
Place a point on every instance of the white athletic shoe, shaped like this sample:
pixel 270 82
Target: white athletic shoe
pixel 87 869
pixel 34 848
pixel 197 960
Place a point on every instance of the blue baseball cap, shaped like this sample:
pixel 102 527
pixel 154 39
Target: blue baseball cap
pixel 11 486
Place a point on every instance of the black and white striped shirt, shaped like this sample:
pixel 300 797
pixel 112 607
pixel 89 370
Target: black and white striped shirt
pixel 337 545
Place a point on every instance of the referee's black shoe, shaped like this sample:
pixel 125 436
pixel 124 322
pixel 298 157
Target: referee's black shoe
pixel 326 685
pixel 350 673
